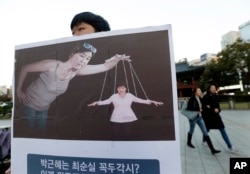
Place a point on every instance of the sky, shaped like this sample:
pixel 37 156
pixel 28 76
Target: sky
pixel 197 25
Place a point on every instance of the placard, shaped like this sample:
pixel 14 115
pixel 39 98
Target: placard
pixel 105 101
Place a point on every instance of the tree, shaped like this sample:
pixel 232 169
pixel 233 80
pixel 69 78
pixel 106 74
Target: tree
pixel 211 74
pixel 232 65
pixel 236 58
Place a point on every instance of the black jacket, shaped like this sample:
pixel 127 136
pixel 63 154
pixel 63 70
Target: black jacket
pixel 193 104
pixel 211 118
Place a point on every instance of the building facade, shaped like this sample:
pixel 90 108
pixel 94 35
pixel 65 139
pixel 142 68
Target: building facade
pixel 187 76
pixel 245 31
pixel 229 38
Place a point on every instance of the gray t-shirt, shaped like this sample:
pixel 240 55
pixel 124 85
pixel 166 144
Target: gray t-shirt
pixel 44 90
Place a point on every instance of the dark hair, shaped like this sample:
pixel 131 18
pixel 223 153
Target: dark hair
pixel 119 84
pixel 96 21
pixel 209 86
pixel 195 90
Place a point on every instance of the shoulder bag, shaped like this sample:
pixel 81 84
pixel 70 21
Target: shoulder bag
pixel 187 113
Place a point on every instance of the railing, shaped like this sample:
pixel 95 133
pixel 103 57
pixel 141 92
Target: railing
pixel 230 104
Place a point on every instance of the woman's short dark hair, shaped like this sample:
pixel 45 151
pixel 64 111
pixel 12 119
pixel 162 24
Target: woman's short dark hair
pixel 119 84
pixel 96 21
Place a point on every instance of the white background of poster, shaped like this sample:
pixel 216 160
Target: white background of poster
pixel 167 152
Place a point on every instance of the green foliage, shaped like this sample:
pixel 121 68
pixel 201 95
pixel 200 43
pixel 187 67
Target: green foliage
pixel 6 109
pixel 232 64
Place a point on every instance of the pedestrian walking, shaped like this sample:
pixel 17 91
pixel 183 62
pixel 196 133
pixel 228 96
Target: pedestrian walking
pixel 195 104
pixel 212 118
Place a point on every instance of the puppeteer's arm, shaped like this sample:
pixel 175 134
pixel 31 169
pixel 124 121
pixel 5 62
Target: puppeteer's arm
pixel 109 64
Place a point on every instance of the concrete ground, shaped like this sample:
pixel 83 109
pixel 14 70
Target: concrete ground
pixel 200 160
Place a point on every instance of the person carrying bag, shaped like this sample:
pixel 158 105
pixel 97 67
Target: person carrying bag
pixel 194 105
pixel 187 113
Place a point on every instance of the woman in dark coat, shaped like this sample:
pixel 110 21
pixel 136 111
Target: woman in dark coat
pixel 211 115
pixel 195 104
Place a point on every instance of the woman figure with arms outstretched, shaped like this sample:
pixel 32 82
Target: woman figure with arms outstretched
pixel 123 117
pixel 122 102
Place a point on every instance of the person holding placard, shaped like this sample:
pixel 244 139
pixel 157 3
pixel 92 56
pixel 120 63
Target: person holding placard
pixel 84 23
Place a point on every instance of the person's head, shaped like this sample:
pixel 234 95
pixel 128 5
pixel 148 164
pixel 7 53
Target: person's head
pixel 81 55
pixel 212 89
pixel 87 22
pixel 197 92
pixel 121 88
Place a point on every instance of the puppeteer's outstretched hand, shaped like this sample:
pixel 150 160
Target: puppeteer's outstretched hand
pixel 116 58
